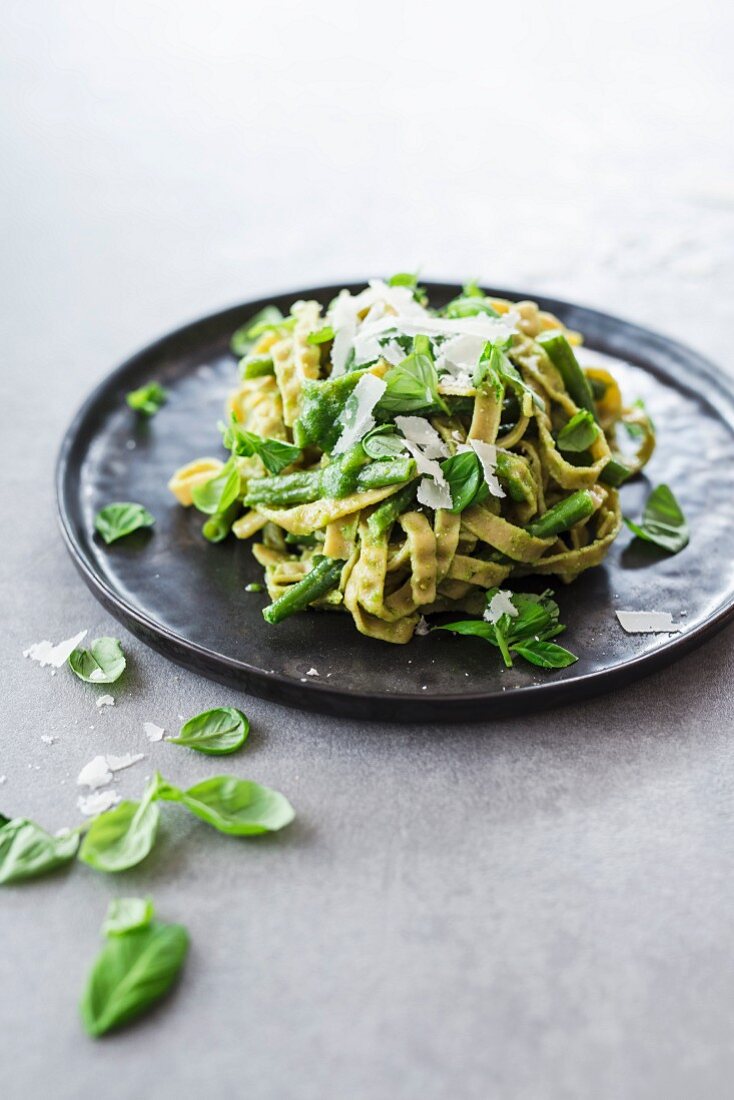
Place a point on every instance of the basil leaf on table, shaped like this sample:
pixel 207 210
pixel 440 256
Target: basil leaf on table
pixel 28 851
pixel 237 807
pixel 579 433
pixel 131 973
pixel 663 522
pixel 245 336
pixel 124 836
pixel 103 663
pixel 121 518
pixel 275 454
pixel 218 731
pixel 147 399
pixel 219 492
pixel 127 914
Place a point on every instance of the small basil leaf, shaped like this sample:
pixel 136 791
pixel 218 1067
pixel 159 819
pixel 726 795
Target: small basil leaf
pixel 103 663
pixel 411 386
pixel 131 973
pixel 579 433
pixel 218 731
pixel 275 454
pixel 663 522
pixel 245 336
pixel 383 442
pixel 256 366
pixel 122 837
pixel 322 336
pixel 537 615
pixel 237 807
pixel 474 627
pixel 545 654
pixel 404 278
pixel 27 850
pixel 121 518
pixel 216 494
pixel 465 478
pixel 126 914
pixel 147 399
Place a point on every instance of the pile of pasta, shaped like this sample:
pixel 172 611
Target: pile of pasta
pixel 394 567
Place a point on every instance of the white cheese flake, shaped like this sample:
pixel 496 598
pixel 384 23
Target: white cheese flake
pixel 154 732
pixel 105 701
pixel 487 455
pixel 46 653
pixel 312 672
pixel 433 495
pixel 48 739
pixel 647 622
pixel 97 803
pixel 98 772
pixel 420 431
pixel 3 779
pixel 357 417
pixel 421 627
pixel 500 604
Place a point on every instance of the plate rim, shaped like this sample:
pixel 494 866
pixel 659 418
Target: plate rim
pixel 399 707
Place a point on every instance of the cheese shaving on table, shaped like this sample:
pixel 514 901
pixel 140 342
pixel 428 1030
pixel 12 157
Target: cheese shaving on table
pixel 105 701
pixel 153 732
pixel 500 604
pixel 647 622
pixel 97 802
pixel 98 772
pixel 357 416
pixel 46 653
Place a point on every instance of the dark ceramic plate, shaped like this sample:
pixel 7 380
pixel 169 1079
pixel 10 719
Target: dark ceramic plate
pixel 186 598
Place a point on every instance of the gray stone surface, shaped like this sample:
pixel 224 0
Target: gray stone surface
pixel 531 908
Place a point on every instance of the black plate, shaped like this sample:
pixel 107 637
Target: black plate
pixel 186 598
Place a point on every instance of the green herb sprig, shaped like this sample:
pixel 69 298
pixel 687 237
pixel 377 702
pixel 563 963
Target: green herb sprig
pixel 663 522
pixel 116 521
pixel 103 663
pixel 148 399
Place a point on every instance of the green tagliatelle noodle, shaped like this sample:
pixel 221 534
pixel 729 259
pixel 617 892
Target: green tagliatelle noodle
pixel 433 453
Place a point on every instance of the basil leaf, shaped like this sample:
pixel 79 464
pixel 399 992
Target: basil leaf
pixel 126 914
pixel 475 627
pixel 579 433
pixel 322 336
pixel 275 454
pixel 545 654
pixel 124 836
pixel 27 850
pixel 103 663
pixel 237 807
pixel 537 616
pixel 117 520
pixel 216 494
pixel 465 477
pixel 383 442
pixel 245 336
pixel 470 306
pixel 663 522
pixel 256 366
pixel 218 731
pixel 131 973
pixel 404 278
pixel 147 399
pixel 509 374
pixel 411 385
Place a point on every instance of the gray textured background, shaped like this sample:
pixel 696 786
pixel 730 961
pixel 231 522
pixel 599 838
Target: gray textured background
pixel 536 908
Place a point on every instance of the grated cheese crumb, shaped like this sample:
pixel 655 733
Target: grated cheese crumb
pixel 312 672
pixel 500 604
pixel 48 739
pixel 422 628
pixel 97 802
pixel 105 701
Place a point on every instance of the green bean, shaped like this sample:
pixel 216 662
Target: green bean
pixel 383 517
pixel 323 577
pixel 615 473
pixel 507 471
pixel 256 366
pixel 218 526
pixel 284 490
pixel 568 512
pixel 561 355
pixel 390 472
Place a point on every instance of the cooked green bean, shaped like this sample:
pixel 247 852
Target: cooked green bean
pixel 391 472
pixel 385 515
pixel 284 490
pixel 567 513
pixel 563 359
pixel 323 577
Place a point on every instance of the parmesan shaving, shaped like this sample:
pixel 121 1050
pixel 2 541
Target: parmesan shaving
pixel 433 495
pixel 500 604
pixel 46 653
pixel 647 622
pixel 97 803
pixel 420 431
pixel 357 416
pixel 487 455
pixel 153 732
